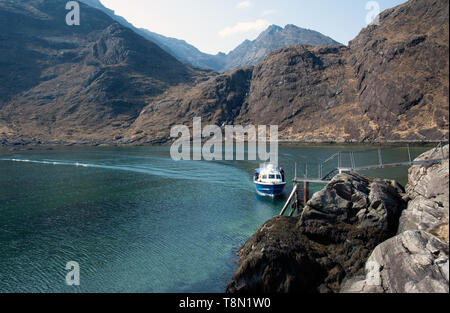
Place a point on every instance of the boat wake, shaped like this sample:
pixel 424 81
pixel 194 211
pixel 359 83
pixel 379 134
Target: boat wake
pixel 181 170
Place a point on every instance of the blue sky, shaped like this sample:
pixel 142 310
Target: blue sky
pixel 221 25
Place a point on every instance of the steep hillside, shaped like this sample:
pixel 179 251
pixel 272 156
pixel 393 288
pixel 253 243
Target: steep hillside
pixel 402 71
pixel 309 92
pixel 217 99
pixel 179 49
pixel 60 82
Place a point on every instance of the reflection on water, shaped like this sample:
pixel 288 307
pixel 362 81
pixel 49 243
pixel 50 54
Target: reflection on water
pixel 134 220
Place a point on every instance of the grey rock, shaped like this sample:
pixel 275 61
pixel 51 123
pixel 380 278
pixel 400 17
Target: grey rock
pixel 353 199
pixel 417 259
pixel 428 190
pixel 412 262
pixel 331 239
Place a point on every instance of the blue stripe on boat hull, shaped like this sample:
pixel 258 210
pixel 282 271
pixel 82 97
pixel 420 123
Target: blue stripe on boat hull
pixel 269 190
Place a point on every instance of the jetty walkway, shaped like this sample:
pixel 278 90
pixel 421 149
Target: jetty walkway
pixel 342 162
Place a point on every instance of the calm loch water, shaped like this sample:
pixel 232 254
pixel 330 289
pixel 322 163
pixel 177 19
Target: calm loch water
pixel 135 220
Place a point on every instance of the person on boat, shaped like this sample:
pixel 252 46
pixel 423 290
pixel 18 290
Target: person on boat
pixel 282 174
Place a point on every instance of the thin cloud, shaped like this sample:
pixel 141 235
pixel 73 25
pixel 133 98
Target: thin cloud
pixel 269 12
pixel 244 27
pixel 244 4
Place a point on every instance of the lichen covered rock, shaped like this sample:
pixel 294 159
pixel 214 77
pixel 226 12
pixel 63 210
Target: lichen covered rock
pixel 428 189
pixel 417 259
pixel 412 262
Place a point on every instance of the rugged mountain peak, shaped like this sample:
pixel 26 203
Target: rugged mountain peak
pixel 291 26
pixel 120 45
pixel 93 3
pixel 246 54
pixel 272 29
pixel 273 38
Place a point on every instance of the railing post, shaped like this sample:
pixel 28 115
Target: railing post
pixel 352 160
pixel 294 191
pixel 409 153
pixel 380 157
pixel 295 205
pixel 305 193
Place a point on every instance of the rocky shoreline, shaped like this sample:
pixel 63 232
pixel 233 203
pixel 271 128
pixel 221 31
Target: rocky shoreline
pixel 358 234
pixel 123 142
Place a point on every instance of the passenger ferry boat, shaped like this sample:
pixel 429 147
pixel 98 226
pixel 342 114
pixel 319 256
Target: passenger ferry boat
pixel 269 181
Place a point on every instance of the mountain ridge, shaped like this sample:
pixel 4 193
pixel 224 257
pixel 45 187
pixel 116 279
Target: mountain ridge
pixel 258 48
pixel 251 52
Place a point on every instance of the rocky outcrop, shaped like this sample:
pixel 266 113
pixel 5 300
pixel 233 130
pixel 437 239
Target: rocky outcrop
pixel 412 262
pixel 428 190
pixel 330 240
pixel 416 260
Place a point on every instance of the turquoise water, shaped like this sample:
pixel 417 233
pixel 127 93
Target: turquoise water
pixel 135 220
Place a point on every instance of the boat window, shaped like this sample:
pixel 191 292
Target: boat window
pixel 278 176
pixel 264 177
pixel 271 176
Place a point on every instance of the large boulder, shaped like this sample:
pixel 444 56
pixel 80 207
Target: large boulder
pixel 275 259
pixel 412 262
pixel 331 239
pixel 428 189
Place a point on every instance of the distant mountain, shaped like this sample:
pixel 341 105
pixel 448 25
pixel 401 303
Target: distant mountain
pixel 185 52
pixel 180 49
pixel 248 53
pixel 273 38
